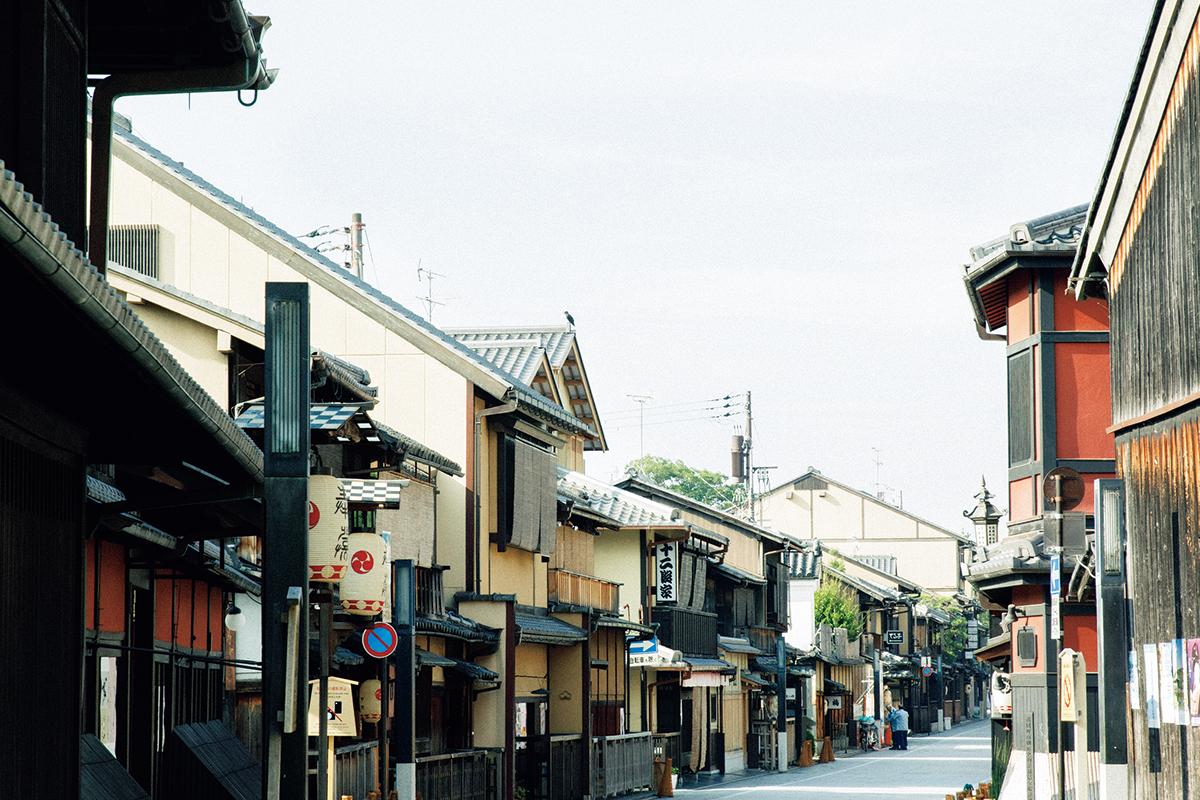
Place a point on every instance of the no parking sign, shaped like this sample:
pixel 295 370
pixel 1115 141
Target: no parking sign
pixel 380 640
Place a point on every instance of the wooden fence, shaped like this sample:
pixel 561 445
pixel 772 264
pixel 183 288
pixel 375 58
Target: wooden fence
pixel 621 764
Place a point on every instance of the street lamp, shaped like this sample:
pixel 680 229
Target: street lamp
pixel 985 517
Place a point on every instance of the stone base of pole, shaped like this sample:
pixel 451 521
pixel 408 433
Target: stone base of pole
pixel 406 781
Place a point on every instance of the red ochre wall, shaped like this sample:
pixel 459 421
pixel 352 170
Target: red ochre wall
pixel 195 608
pixel 1073 315
pixel 112 587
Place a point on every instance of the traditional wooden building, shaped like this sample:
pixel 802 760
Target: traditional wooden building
pixel 1057 362
pixel 91 394
pixel 1138 259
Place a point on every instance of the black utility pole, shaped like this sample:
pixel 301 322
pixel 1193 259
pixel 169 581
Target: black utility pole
pixel 404 615
pixel 285 543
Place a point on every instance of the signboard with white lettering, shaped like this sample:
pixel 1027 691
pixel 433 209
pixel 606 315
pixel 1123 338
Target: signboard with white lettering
pixel 666 571
pixel 893 637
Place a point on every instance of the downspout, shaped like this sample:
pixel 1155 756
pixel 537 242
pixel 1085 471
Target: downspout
pixel 507 408
pixel 246 72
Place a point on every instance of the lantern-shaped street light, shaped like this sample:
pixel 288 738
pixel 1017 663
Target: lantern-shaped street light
pixel 985 516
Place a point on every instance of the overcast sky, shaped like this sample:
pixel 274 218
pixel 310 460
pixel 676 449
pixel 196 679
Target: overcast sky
pixel 728 197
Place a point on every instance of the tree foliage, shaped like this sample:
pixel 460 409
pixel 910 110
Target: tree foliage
pixel 711 488
pixel 834 604
pixel 954 635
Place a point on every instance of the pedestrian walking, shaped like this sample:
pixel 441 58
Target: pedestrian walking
pixel 898 719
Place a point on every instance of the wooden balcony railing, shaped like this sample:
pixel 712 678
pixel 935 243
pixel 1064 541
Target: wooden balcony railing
pixel 693 633
pixel 584 590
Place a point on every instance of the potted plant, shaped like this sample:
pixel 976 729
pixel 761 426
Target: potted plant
pixel 674 776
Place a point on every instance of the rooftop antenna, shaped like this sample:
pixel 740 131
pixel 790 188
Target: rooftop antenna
pixel 428 275
pixel 641 400
pixel 878 463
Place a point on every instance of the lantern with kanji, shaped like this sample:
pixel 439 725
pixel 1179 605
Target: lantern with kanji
pixel 328 530
pixel 362 589
pixel 370 701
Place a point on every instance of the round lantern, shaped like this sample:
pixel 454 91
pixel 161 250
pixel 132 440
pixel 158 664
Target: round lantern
pixel 328 537
pixel 370 701
pixel 362 589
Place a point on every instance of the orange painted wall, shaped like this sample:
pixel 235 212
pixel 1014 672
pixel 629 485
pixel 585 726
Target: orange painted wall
pixel 1022 497
pixel 1020 307
pixel 1072 315
pixel 112 587
pixel 197 624
pixel 1079 633
pixel 1083 400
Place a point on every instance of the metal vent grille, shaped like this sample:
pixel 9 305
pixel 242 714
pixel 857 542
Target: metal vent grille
pixel 135 247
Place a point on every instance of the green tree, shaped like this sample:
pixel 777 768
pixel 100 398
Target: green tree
pixel 711 488
pixel 954 635
pixel 834 604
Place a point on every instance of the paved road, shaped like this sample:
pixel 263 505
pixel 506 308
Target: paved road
pixel 932 767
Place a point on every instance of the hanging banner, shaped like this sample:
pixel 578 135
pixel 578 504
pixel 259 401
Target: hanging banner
pixel 1150 659
pixel 666 571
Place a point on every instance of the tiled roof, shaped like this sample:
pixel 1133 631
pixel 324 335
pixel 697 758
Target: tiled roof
pixel 731 644
pixel 526 397
pixel 709 665
pixel 628 509
pixel 519 351
pixel 548 630
pixel 803 564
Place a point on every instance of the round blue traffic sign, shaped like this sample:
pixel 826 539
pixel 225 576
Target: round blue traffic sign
pixel 927 671
pixel 380 640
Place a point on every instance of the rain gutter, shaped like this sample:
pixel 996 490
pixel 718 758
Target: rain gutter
pixel 246 72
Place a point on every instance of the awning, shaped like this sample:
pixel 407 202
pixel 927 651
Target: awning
pixel 624 624
pixel 323 416
pixel 536 629
pixel 467 668
pixel 733 645
pixel 474 671
pixel 696 664
pixel 457 627
pixel 429 659
pixel 996 648
pixel 833 687
pixel 384 493
pixel 739 575
pixel 753 680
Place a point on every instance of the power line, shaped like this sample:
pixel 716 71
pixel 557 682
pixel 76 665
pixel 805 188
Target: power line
pixel 678 405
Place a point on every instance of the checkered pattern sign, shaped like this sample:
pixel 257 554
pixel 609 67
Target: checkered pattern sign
pixel 381 492
pixel 324 417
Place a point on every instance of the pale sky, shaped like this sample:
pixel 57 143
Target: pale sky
pixel 773 197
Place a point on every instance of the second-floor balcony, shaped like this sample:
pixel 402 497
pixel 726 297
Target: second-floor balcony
pixel 693 633
pixel 572 588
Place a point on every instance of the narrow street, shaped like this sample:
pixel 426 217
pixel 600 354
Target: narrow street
pixel 932 767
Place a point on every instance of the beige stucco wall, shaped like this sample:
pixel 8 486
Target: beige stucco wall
pixel 855 524
pixel 617 556
pixel 206 250
pixel 488 712
pixel 567 699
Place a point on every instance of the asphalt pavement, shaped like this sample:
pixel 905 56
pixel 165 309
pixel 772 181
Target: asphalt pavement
pixel 933 766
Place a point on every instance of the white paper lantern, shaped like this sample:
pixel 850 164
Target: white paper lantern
pixel 370 701
pixel 362 589
pixel 328 530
